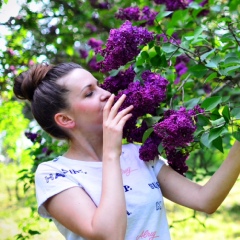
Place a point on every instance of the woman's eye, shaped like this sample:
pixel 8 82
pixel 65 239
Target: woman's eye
pixel 89 94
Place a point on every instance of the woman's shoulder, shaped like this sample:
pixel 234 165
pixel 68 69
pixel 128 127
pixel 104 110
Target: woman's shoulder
pixel 48 166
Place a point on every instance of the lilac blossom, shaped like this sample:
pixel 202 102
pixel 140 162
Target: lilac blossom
pixel 95 44
pixel 123 45
pixel 148 15
pixel 174 5
pixel 135 14
pixel 10 51
pixel 132 132
pixel 176 129
pixel 47 151
pixel 32 136
pixel 100 5
pixel 207 88
pixel 171 39
pixel 119 82
pixel 149 150
pixel 204 12
pixel 93 64
pixel 129 13
pixel 83 53
pixel 145 97
pixel 181 67
pixel 91 27
pixel 177 160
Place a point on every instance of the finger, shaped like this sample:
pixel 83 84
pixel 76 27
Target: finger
pixel 122 113
pixel 123 120
pixel 108 106
pixel 117 105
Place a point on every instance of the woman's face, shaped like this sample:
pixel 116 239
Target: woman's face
pixel 86 99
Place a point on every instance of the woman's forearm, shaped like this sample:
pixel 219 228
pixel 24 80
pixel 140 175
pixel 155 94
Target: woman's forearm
pixel 217 188
pixel 111 218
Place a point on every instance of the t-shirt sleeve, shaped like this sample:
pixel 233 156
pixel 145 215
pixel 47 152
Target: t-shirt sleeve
pixel 49 181
pixel 158 163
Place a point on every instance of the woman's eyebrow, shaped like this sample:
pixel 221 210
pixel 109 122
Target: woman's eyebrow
pixel 90 85
pixel 87 86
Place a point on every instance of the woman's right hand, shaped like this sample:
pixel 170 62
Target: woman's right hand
pixel 113 123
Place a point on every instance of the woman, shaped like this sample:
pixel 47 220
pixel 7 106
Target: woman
pixel 99 188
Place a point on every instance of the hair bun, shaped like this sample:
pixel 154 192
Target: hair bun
pixel 27 82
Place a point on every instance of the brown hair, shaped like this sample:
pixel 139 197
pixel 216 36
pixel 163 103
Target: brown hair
pixel 47 97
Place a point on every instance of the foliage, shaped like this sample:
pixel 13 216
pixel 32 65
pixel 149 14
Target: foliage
pixel 193 46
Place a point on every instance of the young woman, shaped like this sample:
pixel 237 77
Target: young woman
pixel 99 188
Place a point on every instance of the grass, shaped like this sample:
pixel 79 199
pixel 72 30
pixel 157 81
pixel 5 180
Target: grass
pixel 15 216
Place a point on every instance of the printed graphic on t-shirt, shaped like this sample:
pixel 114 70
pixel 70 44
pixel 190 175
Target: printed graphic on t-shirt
pixel 127 171
pixel 63 173
pixel 148 235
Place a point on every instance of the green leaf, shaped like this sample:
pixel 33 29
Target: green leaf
pixel 228 70
pixel 114 72
pixel 198 70
pixel 202 120
pixel 235 112
pixel 192 103
pixel 169 48
pixel 33 232
pixel 217 143
pixel 210 77
pixel 231 60
pixel 152 120
pixel 146 134
pixel 211 64
pixel 205 55
pixel 226 113
pixel 210 103
pixel 204 140
pixel 160 148
pixel 218 122
pixel 236 135
pixel 194 5
pixel 161 15
pixel 215 133
pixel 99 58
pixel 198 32
pixel 144 55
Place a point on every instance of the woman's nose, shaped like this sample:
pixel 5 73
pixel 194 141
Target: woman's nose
pixel 105 95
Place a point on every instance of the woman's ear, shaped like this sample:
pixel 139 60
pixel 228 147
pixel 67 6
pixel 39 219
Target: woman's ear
pixel 64 120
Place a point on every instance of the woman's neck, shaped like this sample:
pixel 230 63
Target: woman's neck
pixel 86 149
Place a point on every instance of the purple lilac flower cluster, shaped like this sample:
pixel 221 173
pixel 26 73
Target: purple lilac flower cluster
pixel 119 82
pixel 91 27
pixel 149 150
pixel 95 44
pixel 135 14
pixel 174 5
pixel 207 88
pixel 100 5
pixel 181 66
pixel 83 53
pixel 93 64
pixel 176 131
pixel 123 45
pixel 205 11
pixel 145 98
pixel 171 39
pixel 32 136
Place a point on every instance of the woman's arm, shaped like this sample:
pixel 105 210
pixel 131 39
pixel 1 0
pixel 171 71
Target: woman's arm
pixel 205 198
pixel 74 209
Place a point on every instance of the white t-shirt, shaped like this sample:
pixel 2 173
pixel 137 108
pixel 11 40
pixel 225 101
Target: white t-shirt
pixel 146 216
